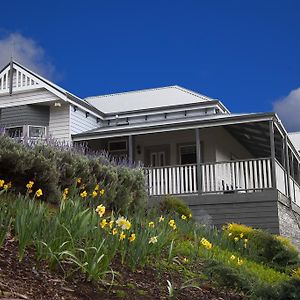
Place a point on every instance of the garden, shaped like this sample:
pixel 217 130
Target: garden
pixel 77 225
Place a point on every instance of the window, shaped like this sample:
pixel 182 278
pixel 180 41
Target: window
pixel 14 132
pixel 117 146
pixel 158 159
pixel 37 132
pixel 187 154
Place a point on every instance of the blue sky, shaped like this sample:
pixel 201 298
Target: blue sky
pixel 245 53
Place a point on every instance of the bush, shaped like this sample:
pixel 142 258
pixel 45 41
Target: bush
pixel 171 204
pixel 266 248
pixel 55 167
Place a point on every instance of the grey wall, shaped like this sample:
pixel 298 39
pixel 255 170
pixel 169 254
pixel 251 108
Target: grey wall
pixel 258 210
pixel 24 115
pixel 289 220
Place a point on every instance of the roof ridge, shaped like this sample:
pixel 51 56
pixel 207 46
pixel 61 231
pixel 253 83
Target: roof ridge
pixel 133 91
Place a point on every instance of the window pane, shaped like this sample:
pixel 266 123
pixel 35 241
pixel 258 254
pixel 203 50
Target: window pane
pixel 14 132
pixel 37 132
pixel 118 146
pixel 188 155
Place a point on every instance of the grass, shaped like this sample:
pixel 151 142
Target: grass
pixel 74 237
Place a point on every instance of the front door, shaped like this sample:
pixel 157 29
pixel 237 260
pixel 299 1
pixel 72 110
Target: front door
pixel 158 159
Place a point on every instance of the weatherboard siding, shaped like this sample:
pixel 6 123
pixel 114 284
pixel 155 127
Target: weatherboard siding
pixel 59 123
pixel 32 97
pixel 258 210
pixel 79 122
pixel 24 115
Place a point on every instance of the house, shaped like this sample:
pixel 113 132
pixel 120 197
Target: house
pixel 228 167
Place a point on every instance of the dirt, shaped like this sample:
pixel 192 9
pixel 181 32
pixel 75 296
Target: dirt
pixel 30 279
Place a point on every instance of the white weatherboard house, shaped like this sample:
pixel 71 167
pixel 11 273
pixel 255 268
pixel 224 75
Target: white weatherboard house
pixel 226 166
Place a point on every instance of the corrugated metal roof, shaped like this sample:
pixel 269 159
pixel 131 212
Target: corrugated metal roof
pixel 146 99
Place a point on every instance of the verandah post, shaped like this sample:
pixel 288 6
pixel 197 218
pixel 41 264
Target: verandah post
pixel 287 160
pixel 130 148
pixel 272 147
pixel 198 158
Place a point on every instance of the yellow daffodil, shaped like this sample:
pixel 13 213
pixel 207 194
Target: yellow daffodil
pixel 240 262
pixel 5 187
pixel 183 217
pixel 29 185
pixel 230 234
pixel 122 236
pixel 245 241
pixel 39 193
pixel 83 194
pixel 206 243
pixel 111 223
pixel 161 219
pixel 78 180
pixel 241 235
pixel 185 260
pixel 236 239
pixel 132 237
pixel 103 223
pixel 1 183
pixel 174 227
pixel 123 223
pixel 66 191
pixel 190 215
pixel 101 192
pixel 151 224
pixel 232 257
pixel 100 210
pixel 94 194
pixel 96 187
pixel 114 231
pixel 153 240
pixel 9 184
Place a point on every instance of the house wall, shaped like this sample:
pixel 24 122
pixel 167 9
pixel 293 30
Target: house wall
pixel 217 144
pixel 24 115
pixel 258 210
pixel 289 220
pixel 79 122
pixel 59 122
pixel 227 147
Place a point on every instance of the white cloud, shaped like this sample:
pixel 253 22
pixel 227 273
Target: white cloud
pixel 27 52
pixel 288 109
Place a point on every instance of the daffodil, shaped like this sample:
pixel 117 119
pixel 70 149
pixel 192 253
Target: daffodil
pixel 190 215
pixel 29 185
pixel 114 231
pixel 183 217
pixel 9 184
pixel 236 239
pixel 96 187
pixel 101 192
pixel 103 223
pixel 151 224
pixel 122 236
pixel 232 257
pixel 66 191
pixel 123 223
pixel 206 243
pixel 5 187
pixel 78 180
pixel 1 183
pixel 100 210
pixel 230 234
pixel 240 262
pixel 153 240
pixel 171 222
pixel 111 223
pixel 132 237
pixel 94 194
pixel 83 194
pixel 161 219
pixel 39 193
pixel 241 235
pixel 185 260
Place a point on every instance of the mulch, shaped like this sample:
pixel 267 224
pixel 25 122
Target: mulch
pixel 30 279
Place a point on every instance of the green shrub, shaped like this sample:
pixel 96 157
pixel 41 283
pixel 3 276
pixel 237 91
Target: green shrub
pixel 171 204
pixel 266 248
pixel 54 167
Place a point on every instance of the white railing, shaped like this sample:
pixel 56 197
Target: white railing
pixel 172 180
pixel 280 178
pixel 244 175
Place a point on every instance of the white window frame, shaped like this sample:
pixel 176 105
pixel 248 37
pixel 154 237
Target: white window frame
pixel 36 138
pixel 120 150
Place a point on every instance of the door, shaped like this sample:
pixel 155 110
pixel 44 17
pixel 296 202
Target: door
pixel 158 159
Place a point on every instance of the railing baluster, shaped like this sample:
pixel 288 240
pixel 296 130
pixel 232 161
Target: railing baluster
pixel 195 179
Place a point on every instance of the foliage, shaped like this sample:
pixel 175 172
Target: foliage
pixel 171 204
pixel 56 167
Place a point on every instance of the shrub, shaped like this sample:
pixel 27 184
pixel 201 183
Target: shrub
pixel 171 204
pixel 266 248
pixel 55 167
